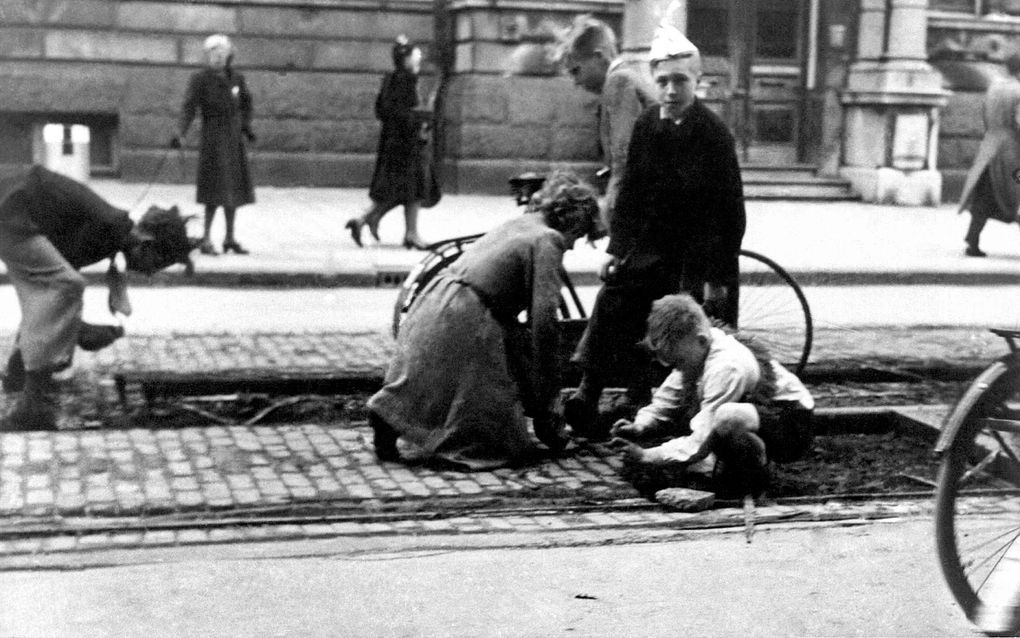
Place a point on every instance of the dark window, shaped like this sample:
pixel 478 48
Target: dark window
pixel 708 26
pixel 777 32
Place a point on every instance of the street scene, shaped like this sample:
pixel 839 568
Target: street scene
pixel 421 319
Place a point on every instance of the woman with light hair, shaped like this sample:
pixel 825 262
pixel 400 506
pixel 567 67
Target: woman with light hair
pixel 219 93
pixel 467 372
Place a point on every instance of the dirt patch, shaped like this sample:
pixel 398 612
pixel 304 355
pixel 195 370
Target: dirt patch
pixel 858 463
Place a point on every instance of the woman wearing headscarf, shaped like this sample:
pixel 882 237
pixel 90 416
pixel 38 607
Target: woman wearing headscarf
pixel 400 171
pixel 466 371
pixel 220 94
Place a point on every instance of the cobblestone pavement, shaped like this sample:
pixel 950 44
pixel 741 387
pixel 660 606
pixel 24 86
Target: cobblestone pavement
pixel 83 488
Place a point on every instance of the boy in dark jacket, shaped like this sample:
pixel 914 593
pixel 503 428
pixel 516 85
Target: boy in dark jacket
pixel 51 226
pixel 677 226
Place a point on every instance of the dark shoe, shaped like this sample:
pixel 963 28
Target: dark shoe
pixel 30 414
pixel 92 337
pixel 354 225
pixel 582 415
pixel 36 408
pixel 974 251
pixel 549 430
pixel 234 247
pixel 206 248
pixel 373 230
pixel 14 377
pixel 415 243
pixel 384 438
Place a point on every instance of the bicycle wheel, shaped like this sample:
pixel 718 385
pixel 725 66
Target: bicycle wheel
pixel 774 310
pixel 977 504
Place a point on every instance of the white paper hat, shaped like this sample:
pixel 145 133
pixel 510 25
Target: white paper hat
pixel 670 42
pixel 217 41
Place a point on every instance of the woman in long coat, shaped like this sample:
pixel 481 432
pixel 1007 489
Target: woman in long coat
pixel 992 189
pixel 400 176
pixel 221 95
pixel 466 372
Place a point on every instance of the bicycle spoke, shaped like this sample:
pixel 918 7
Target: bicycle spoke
pixel 972 472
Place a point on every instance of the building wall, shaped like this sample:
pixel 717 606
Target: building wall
pixel 968 44
pixel 313 67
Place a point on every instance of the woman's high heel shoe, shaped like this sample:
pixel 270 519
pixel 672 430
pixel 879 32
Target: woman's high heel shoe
pixel 354 225
pixel 233 246
pixel 415 243
pixel 373 229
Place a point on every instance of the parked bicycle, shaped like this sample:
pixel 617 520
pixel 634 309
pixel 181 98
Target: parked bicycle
pixel 977 512
pixel 772 306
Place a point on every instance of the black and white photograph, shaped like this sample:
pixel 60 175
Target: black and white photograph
pixel 509 318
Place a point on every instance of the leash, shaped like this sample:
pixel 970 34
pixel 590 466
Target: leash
pixel 152 178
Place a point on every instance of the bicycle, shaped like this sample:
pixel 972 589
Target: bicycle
pixel 772 306
pixel 976 535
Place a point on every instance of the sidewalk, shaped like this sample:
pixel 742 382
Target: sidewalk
pixel 297 237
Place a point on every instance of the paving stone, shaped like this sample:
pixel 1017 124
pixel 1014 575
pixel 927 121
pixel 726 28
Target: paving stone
pixel 159 537
pixel 192 536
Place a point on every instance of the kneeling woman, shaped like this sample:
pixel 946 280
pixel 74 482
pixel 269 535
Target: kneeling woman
pixel 466 372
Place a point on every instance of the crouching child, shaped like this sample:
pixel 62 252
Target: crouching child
pixel 724 412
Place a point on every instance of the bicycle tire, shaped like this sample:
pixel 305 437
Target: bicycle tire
pixel 774 310
pixel 980 553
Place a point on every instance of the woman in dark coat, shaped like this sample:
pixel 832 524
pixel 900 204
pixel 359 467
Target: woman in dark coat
pixel 466 372
pixel 400 175
pixel 221 95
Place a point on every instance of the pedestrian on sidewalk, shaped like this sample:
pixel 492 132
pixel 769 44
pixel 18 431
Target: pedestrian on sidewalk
pixel 402 176
pixel 466 372
pixel 725 410
pixel 992 188
pixel 50 226
pixel 220 94
pixel 677 224
pixel 624 87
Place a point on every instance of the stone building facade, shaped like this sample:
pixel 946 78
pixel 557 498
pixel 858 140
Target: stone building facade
pixel 883 93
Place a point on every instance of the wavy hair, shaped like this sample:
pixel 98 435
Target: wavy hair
pixel 568 202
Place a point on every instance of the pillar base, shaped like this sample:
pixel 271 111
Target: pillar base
pixel 896 187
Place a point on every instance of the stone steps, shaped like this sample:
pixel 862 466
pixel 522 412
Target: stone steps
pixel 793 182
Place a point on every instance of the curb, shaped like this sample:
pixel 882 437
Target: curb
pixel 392 277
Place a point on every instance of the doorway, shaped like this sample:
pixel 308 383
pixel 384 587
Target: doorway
pixel 754 55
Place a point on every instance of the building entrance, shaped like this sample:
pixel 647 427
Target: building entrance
pixel 754 54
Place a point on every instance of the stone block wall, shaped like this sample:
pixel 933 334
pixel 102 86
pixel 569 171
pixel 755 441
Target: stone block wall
pixel 969 52
pixel 313 67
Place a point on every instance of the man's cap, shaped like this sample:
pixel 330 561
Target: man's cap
pixel 669 42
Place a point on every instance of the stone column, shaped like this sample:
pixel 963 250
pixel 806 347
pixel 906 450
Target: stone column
pixel 641 17
pixel 891 107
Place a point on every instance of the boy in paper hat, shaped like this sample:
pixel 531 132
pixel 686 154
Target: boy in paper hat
pixel 51 226
pixel 678 222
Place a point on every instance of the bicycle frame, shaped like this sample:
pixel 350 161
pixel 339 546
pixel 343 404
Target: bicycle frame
pixel 952 426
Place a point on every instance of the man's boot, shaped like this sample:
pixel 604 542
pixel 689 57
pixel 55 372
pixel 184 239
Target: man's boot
pixel 14 376
pixel 36 407
pixel 581 410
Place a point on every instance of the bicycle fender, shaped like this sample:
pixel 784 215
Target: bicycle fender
pixel 954 421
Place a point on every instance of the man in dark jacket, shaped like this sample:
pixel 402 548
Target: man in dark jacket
pixel 678 223
pixel 50 226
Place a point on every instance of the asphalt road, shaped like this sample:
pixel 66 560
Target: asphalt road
pixel 876 579
pixel 161 310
